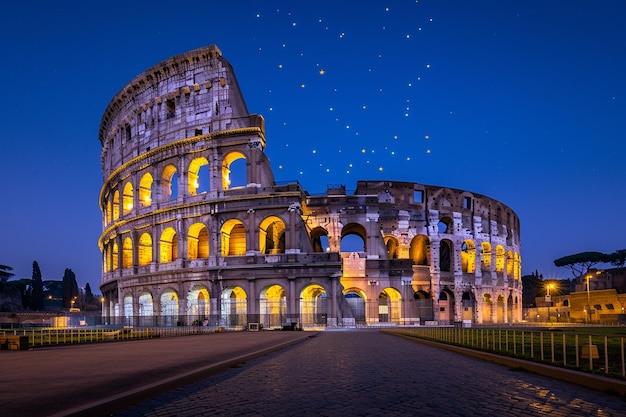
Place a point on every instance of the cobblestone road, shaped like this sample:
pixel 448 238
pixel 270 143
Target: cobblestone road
pixel 367 373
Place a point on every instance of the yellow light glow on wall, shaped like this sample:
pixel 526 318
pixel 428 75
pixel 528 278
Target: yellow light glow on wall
pixel 499 258
pixel 145 249
pixel 419 249
pixel 127 253
pixel 145 190
pixel 127 198
pixel 116 205
pixel 486 255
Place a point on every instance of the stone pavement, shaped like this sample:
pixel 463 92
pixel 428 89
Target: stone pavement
pixel 356 373
pixel 52 380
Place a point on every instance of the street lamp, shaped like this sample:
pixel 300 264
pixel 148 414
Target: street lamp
pixel 587 276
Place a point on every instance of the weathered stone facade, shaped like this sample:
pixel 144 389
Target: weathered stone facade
pixel 185 239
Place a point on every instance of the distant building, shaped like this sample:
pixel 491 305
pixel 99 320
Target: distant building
pixel 196 229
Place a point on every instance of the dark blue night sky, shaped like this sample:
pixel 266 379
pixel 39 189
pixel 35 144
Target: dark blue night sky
pixel 522 101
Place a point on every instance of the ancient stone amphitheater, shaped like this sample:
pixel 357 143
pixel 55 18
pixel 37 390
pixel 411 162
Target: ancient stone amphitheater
pixel 197 231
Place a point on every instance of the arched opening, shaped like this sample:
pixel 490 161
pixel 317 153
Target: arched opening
pixel 198 242
pixel 445 225
pixel 198 305
pixel 499 258
pixel 169 181
pixel 145 249
pixel 355 303
pixel 468 256
pixel 145 190
pixel 486 256
pixel 500 310
pixel 273 306
pixel 116 205
pixel 233 236
pixel 313 306
pixel 127 199
pixel 198 179
pixel 168 246
pixel 115 257
pixel 446 307
pixel 146 309
pixel 108 214
pixel 393 246
pixel 234 171
pixel 128 310
pixel 127 253
pixel 234 308
pixel 486 310
pixel 106 254
pixel 353 238
pixel 510 312
pixel 517 266
pixel 509 264
pixel 445 251
pixel 418 251
pixel 169 308
pixel 389 301
pixel 424 305
pixel 319 239
pixel 272 235
pixel 468 302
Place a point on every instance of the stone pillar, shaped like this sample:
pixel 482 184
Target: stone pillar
pixel 252 234
pixel 252 297
pixel 291 297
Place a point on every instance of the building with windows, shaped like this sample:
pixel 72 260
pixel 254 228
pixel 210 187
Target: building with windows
pixel 197 230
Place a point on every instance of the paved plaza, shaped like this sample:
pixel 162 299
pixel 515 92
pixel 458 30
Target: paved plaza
pixel 358 373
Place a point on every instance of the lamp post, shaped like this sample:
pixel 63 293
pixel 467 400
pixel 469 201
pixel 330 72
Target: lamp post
pixel 548 297
pixel 587 276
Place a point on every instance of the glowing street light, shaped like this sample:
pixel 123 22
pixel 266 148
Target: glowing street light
pixel 587 277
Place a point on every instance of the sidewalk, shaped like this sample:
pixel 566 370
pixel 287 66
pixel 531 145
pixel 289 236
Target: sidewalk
pixel 66 379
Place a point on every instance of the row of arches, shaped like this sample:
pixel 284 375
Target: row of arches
pixel 234 308
pixel 166 184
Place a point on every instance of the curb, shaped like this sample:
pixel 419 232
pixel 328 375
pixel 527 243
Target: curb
pixel 108 405
pixel 595 382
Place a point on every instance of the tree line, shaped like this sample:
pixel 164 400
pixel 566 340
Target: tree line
pixel 581 263
pixel 30 294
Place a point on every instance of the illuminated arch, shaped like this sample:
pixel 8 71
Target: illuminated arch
pixel 355 298
pixel 313 305
pixel 116 205
pixel 145 190
pixel 319 239
pixel 169 307
pixel 468 256
pixel 168 245
pixel 486 310
pixel 169 182
pixel 197 241
pixel 146 309
pixel 273 306
pixel 509 263
pixel 353 238
pixel 393 245
pixel 227 171
pixel 127 198
pixel 517 265
pixel 198 302
pixel 500 258
pixel 115 257
pixel 193 176
pixel 272 235
pixel 234 307
pixel 233 236
pixel 145 249
pixel 486 255
pixel 108 212
pixel 127 253
pixel 389 300
pixel 107 257
pixel 418 251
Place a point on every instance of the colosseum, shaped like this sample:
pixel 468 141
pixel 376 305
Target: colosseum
pixel 196 230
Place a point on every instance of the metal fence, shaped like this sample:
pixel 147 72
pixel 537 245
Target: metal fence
pixel 589 352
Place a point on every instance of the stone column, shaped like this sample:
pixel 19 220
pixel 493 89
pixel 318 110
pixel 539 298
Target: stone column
pixel 291 297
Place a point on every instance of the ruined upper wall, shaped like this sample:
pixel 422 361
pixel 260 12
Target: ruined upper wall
pixel 188 95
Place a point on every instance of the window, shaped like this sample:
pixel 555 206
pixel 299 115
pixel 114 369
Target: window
pixel 597 306
pixel 467 202
pixel 128 135
pixel 171 108
pixel 610 307
pixel 418 196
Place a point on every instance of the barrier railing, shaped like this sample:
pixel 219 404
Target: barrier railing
pixel 589 352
